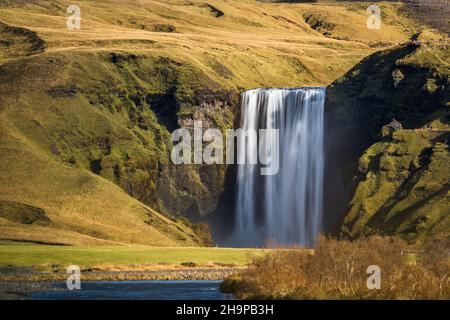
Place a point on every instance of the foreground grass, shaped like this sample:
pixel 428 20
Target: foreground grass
pixel 338 269
pixel 85 256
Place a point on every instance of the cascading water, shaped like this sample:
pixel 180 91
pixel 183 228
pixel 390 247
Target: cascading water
pixel 287 206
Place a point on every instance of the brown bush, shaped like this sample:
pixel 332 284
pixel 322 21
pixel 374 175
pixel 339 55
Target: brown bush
pixel 337 269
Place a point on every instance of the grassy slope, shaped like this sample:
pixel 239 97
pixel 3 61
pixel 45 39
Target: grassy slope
pixel 259 43
pixel 52 137
pixel 83 207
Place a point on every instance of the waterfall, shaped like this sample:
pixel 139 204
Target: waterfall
pixel 287 206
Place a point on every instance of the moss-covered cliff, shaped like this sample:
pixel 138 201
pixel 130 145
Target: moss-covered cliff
pixel 112 114
pixel 403 187
pixel 400 183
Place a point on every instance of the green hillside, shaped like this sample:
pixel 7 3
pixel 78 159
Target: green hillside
pixel 86 114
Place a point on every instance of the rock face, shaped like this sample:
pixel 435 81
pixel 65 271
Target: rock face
pixel 390 128
pixel 396 182
pixel 403 187
pixel 136 154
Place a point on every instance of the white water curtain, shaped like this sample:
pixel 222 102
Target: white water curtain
pixel 287 206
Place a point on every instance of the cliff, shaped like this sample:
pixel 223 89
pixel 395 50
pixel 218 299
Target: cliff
pixel 397 173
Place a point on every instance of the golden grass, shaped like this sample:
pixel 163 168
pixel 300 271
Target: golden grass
pixel 338 270
pixel 260 43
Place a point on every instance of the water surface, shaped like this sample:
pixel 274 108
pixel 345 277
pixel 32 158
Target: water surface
pixel 137 290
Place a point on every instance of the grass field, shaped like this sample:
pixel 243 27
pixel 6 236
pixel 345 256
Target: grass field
pixel 86 256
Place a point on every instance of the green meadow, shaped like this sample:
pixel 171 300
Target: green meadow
pixel 38 255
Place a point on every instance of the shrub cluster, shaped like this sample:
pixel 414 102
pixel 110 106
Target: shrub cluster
pixel 337 269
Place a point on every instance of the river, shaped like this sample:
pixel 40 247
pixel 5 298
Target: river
pixel 137 290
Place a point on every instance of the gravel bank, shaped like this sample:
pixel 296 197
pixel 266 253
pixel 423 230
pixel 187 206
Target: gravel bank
pixel 17 285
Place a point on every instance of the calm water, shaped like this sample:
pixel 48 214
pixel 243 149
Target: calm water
pixel 137 290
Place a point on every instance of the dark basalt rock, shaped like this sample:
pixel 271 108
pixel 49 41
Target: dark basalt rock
pixel 390 128
pixel 214 11
pixel 63 91
pixel 118 58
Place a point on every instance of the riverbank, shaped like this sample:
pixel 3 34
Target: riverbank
pixel 19 283
pixel 112 290
pixel 162 274
pixel 20 290
pixel 28 268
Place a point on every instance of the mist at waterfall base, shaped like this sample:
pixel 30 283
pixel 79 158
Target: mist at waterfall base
pixel 285 207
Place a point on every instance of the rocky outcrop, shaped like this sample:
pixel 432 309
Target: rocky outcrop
pixel 213 10
pixel 23 213
pixel 389 129
pixel 394 173
pixel 403 187
pixel 17 42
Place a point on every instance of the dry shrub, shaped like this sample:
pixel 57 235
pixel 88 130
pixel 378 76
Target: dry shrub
pixel 337 269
